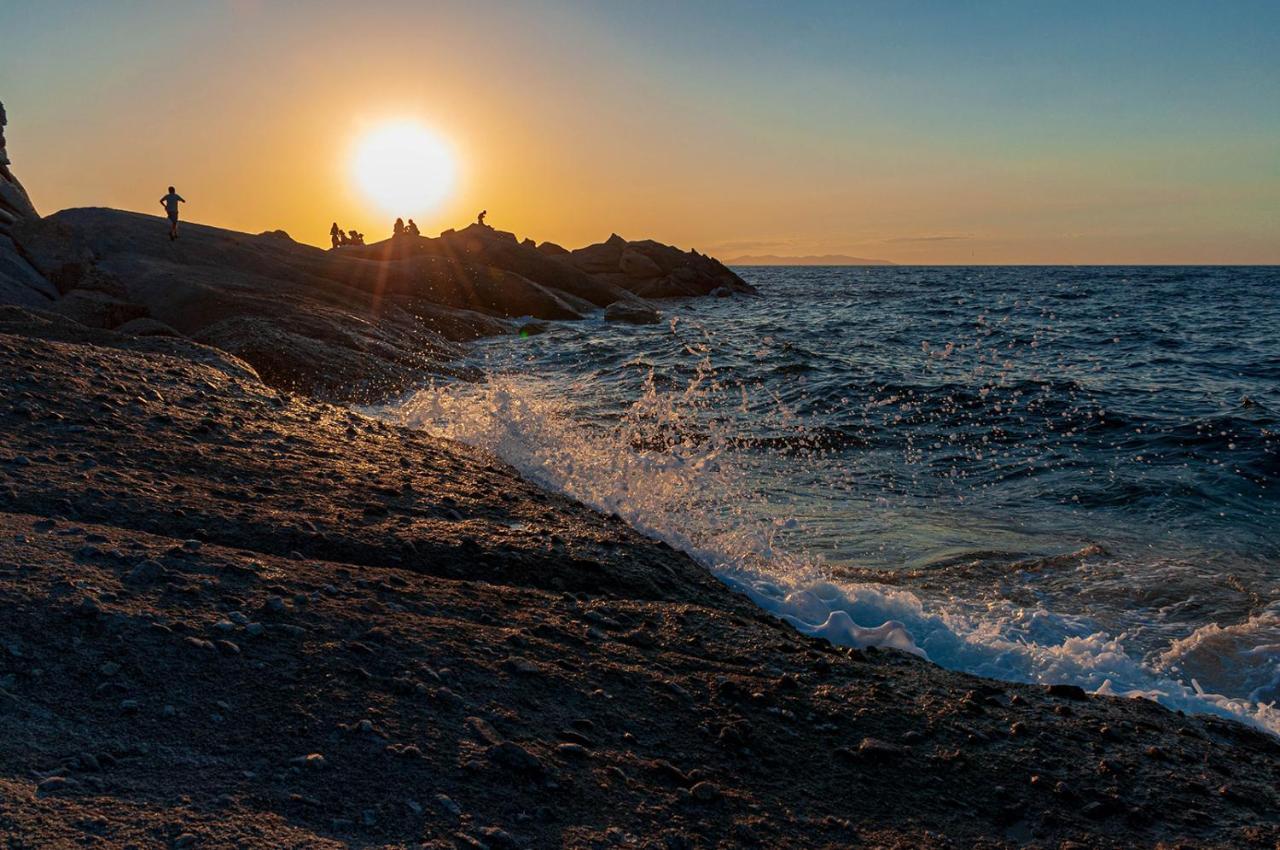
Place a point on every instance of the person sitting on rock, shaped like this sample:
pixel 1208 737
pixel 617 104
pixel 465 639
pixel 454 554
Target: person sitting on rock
pixel 336 235
pixel 480 217
pixel 412 229
pixel 398 229
pixel 356 238
pixel 170 203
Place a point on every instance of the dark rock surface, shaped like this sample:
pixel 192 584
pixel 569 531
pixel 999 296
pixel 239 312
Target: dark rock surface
pixel 352 324
pixel 237 618
pixel 653 270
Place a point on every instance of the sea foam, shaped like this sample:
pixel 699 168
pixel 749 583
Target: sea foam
pixel 692 495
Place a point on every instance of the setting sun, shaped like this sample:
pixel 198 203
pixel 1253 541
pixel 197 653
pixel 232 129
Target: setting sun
pixel 403 167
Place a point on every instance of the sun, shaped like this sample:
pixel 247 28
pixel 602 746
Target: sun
pixel 403 167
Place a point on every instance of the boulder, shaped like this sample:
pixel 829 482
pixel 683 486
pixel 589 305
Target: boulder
pixel 653 270
pixel 632 313
pixel 604 257
pixel 637 265
pixel 551 249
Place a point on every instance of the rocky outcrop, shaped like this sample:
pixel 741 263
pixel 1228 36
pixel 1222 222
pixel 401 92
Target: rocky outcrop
pixel 236 618
pixel 20 283
pixel 353 324
pixel 481 245
pixel 634 314
pixel 653 270
pixel 15 204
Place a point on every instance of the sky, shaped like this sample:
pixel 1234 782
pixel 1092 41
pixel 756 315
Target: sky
pixel 915 132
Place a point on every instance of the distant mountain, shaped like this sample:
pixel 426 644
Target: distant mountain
pixel 809 260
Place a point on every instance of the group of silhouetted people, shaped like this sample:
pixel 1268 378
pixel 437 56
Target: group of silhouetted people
pixel 337 235
pixel 402 229
pixel 340 237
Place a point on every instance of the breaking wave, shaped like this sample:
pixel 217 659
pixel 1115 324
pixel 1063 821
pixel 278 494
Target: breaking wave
pixel 673 476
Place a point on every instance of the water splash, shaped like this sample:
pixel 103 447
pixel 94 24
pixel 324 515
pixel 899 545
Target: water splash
pixel 673 468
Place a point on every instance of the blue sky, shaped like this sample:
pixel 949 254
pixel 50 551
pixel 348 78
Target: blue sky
pixel 1023 132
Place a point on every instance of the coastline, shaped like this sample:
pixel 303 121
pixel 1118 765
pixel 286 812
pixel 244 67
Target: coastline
pixel 245 617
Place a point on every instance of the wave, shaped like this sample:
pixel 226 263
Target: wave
pixel 696 495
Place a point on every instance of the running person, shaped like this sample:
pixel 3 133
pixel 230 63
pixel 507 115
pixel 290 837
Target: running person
pixel 170 203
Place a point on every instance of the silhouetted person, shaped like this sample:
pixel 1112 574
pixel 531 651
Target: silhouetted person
pixel 398 229
pixel 356 238
pixel 336 235
pixel 480 218
pixel 170 203
pixel 412 229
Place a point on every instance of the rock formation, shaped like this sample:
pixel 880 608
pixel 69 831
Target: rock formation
pixel 351 324
pixel 19 282
pixel 653 270
pixel 14 202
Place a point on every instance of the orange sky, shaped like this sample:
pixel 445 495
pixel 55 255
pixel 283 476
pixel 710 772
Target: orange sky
pixel 726 132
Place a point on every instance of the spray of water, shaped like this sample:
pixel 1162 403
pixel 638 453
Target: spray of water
pixel 668 469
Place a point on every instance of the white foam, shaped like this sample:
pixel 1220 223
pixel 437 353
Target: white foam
pixel 691 496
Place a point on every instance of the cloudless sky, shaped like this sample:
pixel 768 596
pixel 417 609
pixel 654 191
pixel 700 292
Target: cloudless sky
pixel 926 132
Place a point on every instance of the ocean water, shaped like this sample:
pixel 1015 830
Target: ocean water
pixel 1033 474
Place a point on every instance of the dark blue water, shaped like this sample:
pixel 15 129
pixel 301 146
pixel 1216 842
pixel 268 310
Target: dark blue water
pixel 1032 473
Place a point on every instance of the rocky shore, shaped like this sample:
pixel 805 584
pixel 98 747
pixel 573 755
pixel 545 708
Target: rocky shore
pixel 238 614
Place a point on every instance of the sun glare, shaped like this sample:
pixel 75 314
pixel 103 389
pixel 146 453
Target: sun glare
pixel 404 168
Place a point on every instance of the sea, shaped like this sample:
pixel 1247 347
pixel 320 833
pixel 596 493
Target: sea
pixel 1035 474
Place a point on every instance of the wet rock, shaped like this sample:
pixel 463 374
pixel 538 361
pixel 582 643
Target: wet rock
pixel 1074 692
pixel 632 313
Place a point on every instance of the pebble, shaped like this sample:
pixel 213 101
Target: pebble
pixel 514 757
pixel 199 643
pixel 228 647
pixel 186 839
pixel 705 792
pixel 498 838
pixel 147 572
pixel 168 711
pixel 483 730
pixel 312 760
pixel 254 629
pixel 129 706
pixel 109 668
pixel 873 749
pixel 448 805
pixel 1067 692
pixel 275 605
pixel 576 751
pixel 523 665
